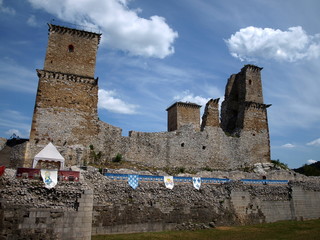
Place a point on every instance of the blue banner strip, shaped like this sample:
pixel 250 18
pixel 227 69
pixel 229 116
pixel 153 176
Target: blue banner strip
pixel 151 178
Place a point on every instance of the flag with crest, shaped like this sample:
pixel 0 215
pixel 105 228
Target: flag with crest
pixel 168 181
pixel 49 177
pixel 196 182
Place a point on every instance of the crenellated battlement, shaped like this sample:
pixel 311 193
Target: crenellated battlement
pixel 251 67
pixel 66 77
pixel 73 31
pixel 256 105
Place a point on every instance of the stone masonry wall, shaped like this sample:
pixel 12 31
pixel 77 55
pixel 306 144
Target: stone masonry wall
pixel 151 207
pixel 30 211
pixel 98 205
pixel 189 149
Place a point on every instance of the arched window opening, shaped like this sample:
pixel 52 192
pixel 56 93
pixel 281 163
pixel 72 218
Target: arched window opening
pixel 71 48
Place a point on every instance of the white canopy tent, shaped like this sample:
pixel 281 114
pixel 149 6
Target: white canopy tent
pixel 49 153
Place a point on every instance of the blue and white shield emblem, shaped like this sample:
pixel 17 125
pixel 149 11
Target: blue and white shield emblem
pixel 133 181
pixel 196 182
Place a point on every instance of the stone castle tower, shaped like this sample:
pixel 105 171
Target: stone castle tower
pixel 65 111
pixel 182 113
pixel 243 107
pixel 65 114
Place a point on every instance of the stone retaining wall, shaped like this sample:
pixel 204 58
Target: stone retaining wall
pixel 98 205
pixel 30 211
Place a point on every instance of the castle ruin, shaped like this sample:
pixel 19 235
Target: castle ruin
pixel 66 114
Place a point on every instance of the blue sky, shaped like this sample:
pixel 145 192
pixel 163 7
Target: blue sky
pixel 154 53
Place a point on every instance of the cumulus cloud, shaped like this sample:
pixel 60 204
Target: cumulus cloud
pixel 288 145
pixel 314 143
pixel 108 101
pixel 187 96
pixel 252 43
pixel 310 161
pixel 121 26
pixel 6 10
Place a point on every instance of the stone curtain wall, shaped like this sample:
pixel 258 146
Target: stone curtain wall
pixel 191 149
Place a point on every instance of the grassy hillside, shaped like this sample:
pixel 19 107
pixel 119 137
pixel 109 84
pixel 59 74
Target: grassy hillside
pixel 309 170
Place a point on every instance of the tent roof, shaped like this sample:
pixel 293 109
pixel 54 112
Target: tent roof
pixel 50 153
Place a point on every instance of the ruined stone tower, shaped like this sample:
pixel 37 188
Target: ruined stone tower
pixel 65 111
pixel 243 107
pixel 210 116
pixel 183 113
pixel 243 112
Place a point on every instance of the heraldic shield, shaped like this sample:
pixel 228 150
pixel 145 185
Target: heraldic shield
pixel 50 178
pixel 196 182
pixel 168 181
pixel 133 181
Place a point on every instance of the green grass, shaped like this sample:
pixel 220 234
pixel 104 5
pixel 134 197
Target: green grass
pixel 292 230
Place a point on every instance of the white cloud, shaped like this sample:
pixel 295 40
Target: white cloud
pixel 7 10
pixel 108 101
pixel 122 27
pixel 187 96
pixel 251 43
pixel 32 21
pixel 288 145
pixel 314 143
pixel 310 161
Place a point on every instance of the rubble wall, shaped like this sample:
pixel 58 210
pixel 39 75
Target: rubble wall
pixel 98 205
pixel 30 211
pixel 151 207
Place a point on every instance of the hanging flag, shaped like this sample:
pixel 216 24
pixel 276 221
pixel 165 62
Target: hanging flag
pixel 133 181
pixel 50 178
pixel 168 181
pixel 196 182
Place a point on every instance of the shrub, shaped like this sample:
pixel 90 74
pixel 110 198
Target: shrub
pixel 279 164
pixel 117 158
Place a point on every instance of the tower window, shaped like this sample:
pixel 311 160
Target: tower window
pixel 250 82
pixel 71 48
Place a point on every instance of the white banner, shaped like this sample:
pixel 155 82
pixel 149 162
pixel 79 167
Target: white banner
pixel 168 181
pixel 50 177
pixel 196 182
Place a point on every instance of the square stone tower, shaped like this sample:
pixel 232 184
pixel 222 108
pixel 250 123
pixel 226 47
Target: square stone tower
pixel 65 111
pixel 183 113
pixel 243 95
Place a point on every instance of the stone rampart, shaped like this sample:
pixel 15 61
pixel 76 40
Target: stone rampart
pixel 98 205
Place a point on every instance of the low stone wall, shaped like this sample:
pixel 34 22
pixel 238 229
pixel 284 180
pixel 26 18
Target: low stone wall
pixel 151 207
pixel 30 211
pixel 98 205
